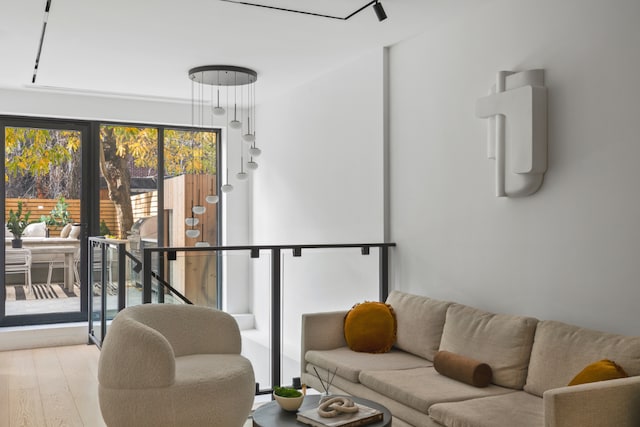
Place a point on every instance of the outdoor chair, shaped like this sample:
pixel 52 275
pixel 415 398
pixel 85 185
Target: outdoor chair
pixel 58 261
pixel 19 261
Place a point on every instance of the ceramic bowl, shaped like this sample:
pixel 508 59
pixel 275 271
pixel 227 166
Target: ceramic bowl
pixel 289 403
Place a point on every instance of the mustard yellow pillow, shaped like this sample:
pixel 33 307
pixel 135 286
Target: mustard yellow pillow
pixel 370 327
pixel 599 371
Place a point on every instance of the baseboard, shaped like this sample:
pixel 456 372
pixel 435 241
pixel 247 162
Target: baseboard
pixel 61 334
pixel 37 336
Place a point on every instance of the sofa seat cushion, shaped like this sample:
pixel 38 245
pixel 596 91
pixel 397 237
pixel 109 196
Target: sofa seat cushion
pixel 420 388
pixel 420 322
pixel 350 363
pixel 508 410
pixel 561 351
pixel 502 341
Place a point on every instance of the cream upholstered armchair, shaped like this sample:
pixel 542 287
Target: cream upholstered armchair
pixel 174 365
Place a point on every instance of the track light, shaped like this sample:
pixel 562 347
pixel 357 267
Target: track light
pixel 380 13
pixel 376 6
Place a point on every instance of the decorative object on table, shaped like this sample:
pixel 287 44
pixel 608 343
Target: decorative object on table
pixel 335 406
pixel 16 225
pixel 340 411
pixel 326 386
pixel 288 398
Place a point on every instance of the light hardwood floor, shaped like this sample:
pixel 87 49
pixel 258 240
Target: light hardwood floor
pixel 54 386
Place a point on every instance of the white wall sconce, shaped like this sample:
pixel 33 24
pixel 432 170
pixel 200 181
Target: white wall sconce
pixel 517 137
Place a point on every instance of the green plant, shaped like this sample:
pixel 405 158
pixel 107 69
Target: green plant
pixel 286 392
pixel 17 223
pixel 59 215
pixel 104 230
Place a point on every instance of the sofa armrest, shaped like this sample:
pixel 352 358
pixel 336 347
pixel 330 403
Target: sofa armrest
pixel 322 331
pixel 599 404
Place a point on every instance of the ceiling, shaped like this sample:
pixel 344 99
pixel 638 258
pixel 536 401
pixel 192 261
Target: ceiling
pixel 146 48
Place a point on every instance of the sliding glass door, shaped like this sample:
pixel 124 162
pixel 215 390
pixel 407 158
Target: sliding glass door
pixel 44 212
pixel 66 180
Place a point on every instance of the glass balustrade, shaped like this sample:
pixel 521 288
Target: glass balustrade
pixel 266 288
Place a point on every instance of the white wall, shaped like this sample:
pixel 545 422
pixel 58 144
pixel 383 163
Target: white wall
pixel 320 181
pixel 320 177
pixel 52 103
pixel 571 251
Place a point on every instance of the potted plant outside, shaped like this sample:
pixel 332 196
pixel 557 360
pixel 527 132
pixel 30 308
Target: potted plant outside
pixel 59 215
pixel 16 225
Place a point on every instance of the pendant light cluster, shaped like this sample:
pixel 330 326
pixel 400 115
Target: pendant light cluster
pixel 228 101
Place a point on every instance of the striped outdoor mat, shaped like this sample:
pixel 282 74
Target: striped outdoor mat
pixel 40 291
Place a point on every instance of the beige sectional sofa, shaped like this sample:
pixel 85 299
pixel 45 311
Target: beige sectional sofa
pixel 532 362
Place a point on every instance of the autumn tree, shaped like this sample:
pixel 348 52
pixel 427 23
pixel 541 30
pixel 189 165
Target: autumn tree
pixel 45 163
pixel 42 163
pixel 122 146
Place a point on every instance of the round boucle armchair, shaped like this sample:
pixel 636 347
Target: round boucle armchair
pixel 174 365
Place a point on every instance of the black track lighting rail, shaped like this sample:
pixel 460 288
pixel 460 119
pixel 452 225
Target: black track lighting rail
pixel 377 6
pixel 47 7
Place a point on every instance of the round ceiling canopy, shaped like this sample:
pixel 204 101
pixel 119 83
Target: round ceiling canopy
pixel 223 75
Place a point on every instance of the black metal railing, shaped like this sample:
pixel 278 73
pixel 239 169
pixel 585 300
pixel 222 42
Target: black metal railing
pixel 148 277
pixel 106 257
pixel 276 281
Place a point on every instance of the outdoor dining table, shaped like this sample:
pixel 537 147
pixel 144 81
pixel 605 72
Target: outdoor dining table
pixel 41 254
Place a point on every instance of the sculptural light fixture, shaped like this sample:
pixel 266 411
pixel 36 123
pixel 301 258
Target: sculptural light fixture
pixel 222 96
pixel 517 111
pixel 234 98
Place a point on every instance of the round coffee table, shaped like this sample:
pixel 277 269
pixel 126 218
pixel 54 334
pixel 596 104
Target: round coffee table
pixel 271 415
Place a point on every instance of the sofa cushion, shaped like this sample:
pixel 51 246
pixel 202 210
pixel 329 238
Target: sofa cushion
pixel 35 229
pixel 508 410
pixel 350 363
pixel 502 341
pixel 420 322
pixel 64 233
pixel 370 327
pixel 462 368
pixel 74 233
pixel 561 351
pixel 420 388
pixel 602 370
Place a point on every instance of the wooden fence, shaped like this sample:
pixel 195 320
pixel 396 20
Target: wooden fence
pixel 43 207
pixel 144 205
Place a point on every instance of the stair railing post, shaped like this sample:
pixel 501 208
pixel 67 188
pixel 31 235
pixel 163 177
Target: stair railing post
pixel 276 319
pixel 146 276
pixel 384 273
